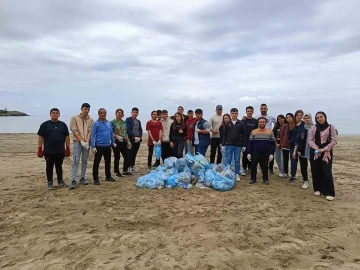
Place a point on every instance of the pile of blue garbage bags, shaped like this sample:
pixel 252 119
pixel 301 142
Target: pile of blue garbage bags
pixel 187 172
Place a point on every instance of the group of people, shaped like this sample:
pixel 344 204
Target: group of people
pixel 260 140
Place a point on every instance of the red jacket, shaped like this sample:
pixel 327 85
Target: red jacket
pixel 284 139
pixel 190 126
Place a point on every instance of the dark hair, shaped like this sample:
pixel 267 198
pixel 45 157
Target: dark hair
pixel 182 125
pixel 198 111
pixel 263 105
pixel 299 111
pixel 261 117
pixel 249 107
pixel 101 110
pixel 291 124
pixel 226 114
pixel 181 107
pixel 153 112
pixel 277 124
pixel 164 111
pixel 121 110
pixel 54 110
pixel 159 111
pixel 135 109
pixel 234 110
pixel 85 105
pixel 189 111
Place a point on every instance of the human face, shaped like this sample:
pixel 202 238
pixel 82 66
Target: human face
pixel 198 115
pixel 249 113
pixel 102 114
pixel 307 120
pixel 191 115
pixel 289 118
pixel 226 118
pixel 134 114
pixel 159 116
pixel 180 110
pixel 164 116
pixel 263 110
pixel 54 115
pixel 119 114
pixel 299 117
pixel 281 120
pixel 219 111
pixel 85 111
pixel 262 123
pixel 154 116
pixel 320 118
pixel 178 118
pixel 234 115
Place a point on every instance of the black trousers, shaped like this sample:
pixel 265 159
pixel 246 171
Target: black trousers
pixel 304 168
pixel 133 152
pixel 166 150
pixel 150 155
pixel 51 161
pixel 102 152
pixel 121 148
pixel 179 144
pixel 271 164
pixel 286 156
pixel 246 164
pixel 215 146
pixel 322 177
pixel 263 160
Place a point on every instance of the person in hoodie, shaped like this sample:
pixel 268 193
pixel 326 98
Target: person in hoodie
pixel 135 133
pixel 166 122
pixel 322 140
pixel 285 142
pixel 261 147
pixel 250 125
pixel 80 126
pixel 234 135
pixel 293 131
pixel 302 148
pixel 102 138
pixel 177 135
pixel 278 152
pixel 201 136
pixel 226 118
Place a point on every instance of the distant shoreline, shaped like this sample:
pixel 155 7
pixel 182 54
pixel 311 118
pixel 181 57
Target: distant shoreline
pixel 4 113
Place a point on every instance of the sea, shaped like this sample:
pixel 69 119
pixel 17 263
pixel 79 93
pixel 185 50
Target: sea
pixel 31 124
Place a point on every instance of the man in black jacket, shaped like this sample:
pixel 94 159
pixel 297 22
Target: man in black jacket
pixel 250 124
pixel 233 141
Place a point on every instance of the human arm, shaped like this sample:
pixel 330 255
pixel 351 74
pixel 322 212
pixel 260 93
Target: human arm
pixel 249 148
pixel 93 135
pixel 74 129
pixel 272 143
pixel 224 135
pixel 129 126
pixel 333 139
pixel 312 143
pixel 206 130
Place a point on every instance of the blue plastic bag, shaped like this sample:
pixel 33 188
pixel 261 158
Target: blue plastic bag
pixel 181 164
pixel 158 151
pixel 149 181
pixel 222 183
pixel 169 162
pixel 190 158
pixel 172 182
pixel 185 176
pixel 202 160
pixel 209 177
pixel 228 173
pixel 200 174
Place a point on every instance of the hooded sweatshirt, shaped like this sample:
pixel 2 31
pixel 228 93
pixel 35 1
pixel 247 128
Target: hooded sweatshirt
pixel 81 126
pixel 166 129
pixel 302 138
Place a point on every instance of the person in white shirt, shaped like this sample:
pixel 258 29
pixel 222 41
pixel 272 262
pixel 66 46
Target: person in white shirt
pixel 215 123
pixel 166 150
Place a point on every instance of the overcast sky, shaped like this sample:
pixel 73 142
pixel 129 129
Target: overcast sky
pixel 160 54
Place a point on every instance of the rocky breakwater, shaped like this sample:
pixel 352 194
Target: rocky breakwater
pixel 12 113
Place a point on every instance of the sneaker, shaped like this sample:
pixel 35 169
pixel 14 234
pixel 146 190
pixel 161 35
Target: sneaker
pixel 50 186
pixel 133 169
pixel 73 184
pixel 237 178
pixel 96 182
pixel 110 179
pixel 62 183
pixel 266 182
pixel 149 168
pixel 305 185
pixel 242 174
pixel 285 176
pixel 126 173
pixel 119 175
pixel 330 198
pixel 83 182
pixel 317 193
pixel 292 179
pixel 252 181
pixel 281 174
pixel 247 171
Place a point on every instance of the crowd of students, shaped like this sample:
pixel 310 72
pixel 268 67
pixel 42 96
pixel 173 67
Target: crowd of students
pixel 259 140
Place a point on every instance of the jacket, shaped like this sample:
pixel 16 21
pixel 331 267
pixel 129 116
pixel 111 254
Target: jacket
pixel 130 126
pixel 284 139
pixel 234 134
pixel 81 126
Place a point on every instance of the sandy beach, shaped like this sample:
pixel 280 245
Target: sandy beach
pixel 118 226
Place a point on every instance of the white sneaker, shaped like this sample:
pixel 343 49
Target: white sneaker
pixel 281 174
pixel 133 169
pixel 330 198
pixel 237 178
pixel 243 174
pixel 305 185
pixel 317 193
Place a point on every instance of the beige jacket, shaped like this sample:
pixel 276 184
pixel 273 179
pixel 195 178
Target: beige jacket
pixel 166 129
pixel 81 126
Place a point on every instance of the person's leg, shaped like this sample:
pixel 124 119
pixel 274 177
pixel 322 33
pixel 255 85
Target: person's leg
pixel 125 153
pixel 278 159
pixel 180 149
pixel 192 148
pixel 97 159
pixel 244 161
pixel 58 160
pixel 107 158
pixel 150 154
pixel 50 162
pixel 327 178
pixel 116 151
pixel 213 150
pixel 84 159
pixel 286 155
pixel 229 154
pixel 264 164
pixel 304 168
pixel 202 150
pixel 271 166
pixel 254 164
pixel 315 166
pixel 77 150
pixel 136 150
pixel 186 147
pixel 165 150
pixel 294 162
pixel 237 152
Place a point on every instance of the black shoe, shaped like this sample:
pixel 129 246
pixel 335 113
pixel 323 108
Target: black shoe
pixel 83 182
pixel 252 181
pixel 271 171
pixel 292 179
pixel 110 179
pixel 62 183
pixel 266 182
pixel 96 182
pixel 119 175
pixel 127 173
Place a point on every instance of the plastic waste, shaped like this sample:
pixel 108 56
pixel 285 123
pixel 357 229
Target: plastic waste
pixel 209 177
pixel 202 160
pixel 186 185
pixel 157 151
pixel 228 173
pixel 190 158
pixel 222 183
pixel 169 162
pixel 181 164
pixel 185 176
pixel 172 182
pixel 149 181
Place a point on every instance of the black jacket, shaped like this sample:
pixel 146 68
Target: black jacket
pixel 234 134
pixel 250 125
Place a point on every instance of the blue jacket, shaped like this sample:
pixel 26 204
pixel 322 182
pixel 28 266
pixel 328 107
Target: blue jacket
pixel 101 134
pixel 130 127
pixel 293 133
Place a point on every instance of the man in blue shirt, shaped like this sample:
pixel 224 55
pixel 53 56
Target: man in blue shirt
pixel 102 138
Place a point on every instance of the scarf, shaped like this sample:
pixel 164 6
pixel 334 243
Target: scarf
pixel 321 128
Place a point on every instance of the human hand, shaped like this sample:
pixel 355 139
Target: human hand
pixel 181 131
pixel 271 157
pixel 40 152
pixel 223 148
pixel 249 157
pixel 83 144
pixel 294 155
pixel 129 146
pixel 67 151
pixel 243 149
pixel 114 144
pixel 171 144
pixel 154 142
pixel 137 139
pixel 94 150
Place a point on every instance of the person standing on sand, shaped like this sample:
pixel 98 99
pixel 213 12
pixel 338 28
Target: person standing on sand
pixel 122 142
pixel 226 118
pixel 165 141
pixel 285 142
pixel 154 129
pixel 215 123
pixel 260 148
pixel 102 138
pixel 181 111
pixel 190 132
pixel 323 138
pixel 250 124
pixel 54 145
pixel 159 112
pixel 278 152
pixel 177 135
pixel 201 133
pixel 135 134
pixel 80 126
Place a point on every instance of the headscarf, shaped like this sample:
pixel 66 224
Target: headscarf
pixel 320 128
pixel 323 126
pixel 311 123
pixel 308 127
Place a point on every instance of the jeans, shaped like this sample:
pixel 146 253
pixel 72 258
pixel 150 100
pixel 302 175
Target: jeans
pixel 51 160
pixel 286 156
pixel 102 151
pixel 263 159
pixel 189 147
pixel 293 162
pixel 121 148
pixel 279 159
pixel 201 149
pixel 236 151
pixel 322 177
pixel 133 152
pixel 78 152
pixel 215 146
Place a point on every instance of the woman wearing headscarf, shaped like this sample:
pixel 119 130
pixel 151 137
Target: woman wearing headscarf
pixel 322 140
pixel 302 147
